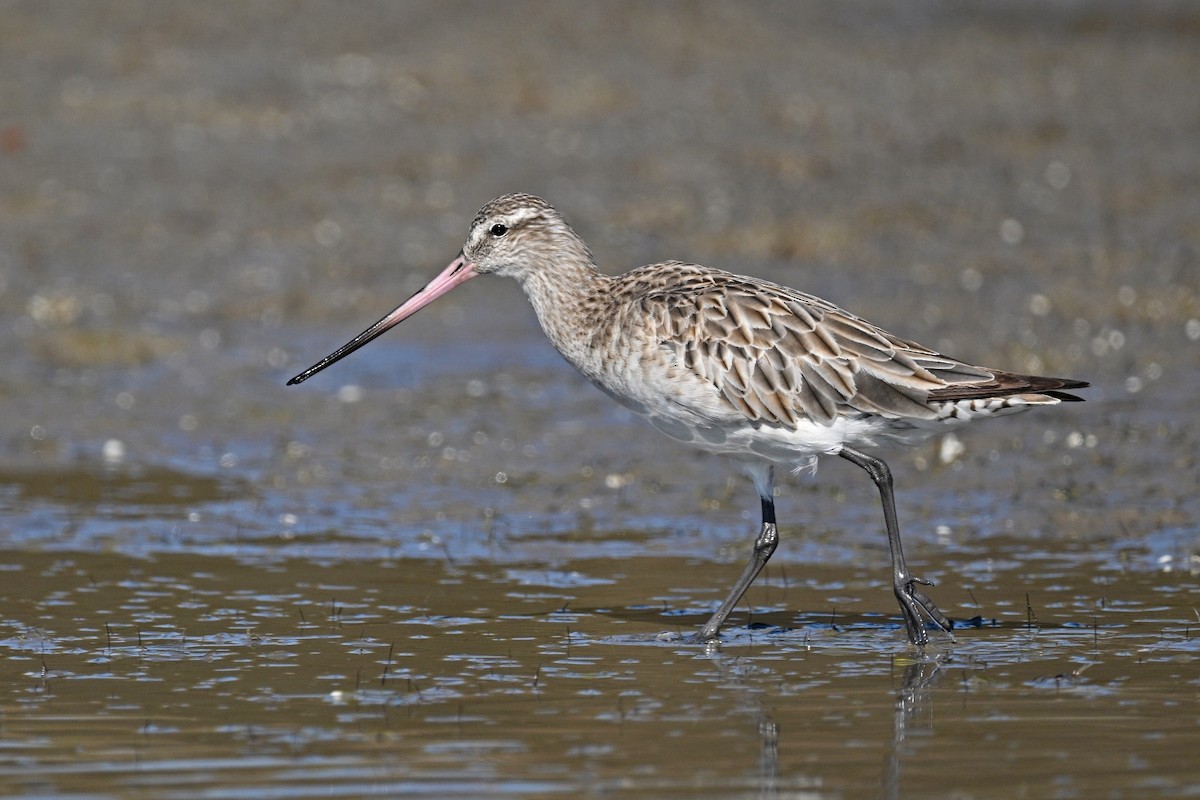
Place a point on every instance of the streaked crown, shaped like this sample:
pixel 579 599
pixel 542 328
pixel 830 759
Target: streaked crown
pixel 517 232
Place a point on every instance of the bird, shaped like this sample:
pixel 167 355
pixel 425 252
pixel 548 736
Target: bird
pixel 735 365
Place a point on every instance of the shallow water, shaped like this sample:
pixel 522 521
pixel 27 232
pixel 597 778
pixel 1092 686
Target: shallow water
pixel 447 566
pixel 184 675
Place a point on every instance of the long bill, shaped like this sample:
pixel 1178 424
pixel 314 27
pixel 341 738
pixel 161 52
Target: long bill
pixel 459 271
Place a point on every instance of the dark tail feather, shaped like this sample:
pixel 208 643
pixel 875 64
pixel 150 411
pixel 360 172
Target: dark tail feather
pixel 1067 396
pixel 1006 383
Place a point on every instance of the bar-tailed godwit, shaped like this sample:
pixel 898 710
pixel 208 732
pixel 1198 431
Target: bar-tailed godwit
pixel 733 365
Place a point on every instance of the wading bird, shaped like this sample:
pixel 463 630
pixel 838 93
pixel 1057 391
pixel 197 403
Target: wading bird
pixel 734 365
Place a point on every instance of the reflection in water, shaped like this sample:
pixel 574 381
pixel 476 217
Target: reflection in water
pixel 768 763
pixel 425 677
pixel 734 672
pixel 921 675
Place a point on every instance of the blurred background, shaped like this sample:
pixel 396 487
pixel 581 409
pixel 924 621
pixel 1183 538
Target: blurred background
pixel 199 200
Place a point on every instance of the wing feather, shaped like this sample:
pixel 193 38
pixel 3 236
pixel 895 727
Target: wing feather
pixel 777 355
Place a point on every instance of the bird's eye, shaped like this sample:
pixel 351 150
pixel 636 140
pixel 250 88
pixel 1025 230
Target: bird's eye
pixel 498 230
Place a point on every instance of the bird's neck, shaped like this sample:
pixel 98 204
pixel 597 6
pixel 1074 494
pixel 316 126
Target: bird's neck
pixel 567 297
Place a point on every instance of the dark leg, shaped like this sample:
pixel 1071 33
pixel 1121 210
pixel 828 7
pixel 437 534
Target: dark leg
pixel 912 600
pixel 764 546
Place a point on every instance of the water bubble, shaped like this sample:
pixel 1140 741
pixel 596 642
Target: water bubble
pixel 615 480
pixel 1058 175
pixel 1039 305
pixel 113 451
pixel 972 279
pixel 327 233
pixel 1012 231
pixel 350 393
pixel 196 301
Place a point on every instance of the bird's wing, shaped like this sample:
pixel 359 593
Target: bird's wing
pixel 780 356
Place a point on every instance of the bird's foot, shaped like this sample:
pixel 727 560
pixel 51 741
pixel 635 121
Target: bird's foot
pixel 914 603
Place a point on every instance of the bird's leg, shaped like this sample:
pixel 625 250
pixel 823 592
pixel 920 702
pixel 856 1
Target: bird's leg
pixel 764 546
pixel 912 600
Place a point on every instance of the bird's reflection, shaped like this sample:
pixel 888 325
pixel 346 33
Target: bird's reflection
pixel 734 672
pixel 768 756
pixel 912 713
pixel 921 675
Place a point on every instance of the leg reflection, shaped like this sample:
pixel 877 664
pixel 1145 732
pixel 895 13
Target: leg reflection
pixel 919 680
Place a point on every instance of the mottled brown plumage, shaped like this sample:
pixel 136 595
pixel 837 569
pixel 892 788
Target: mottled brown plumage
pixel 734 365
